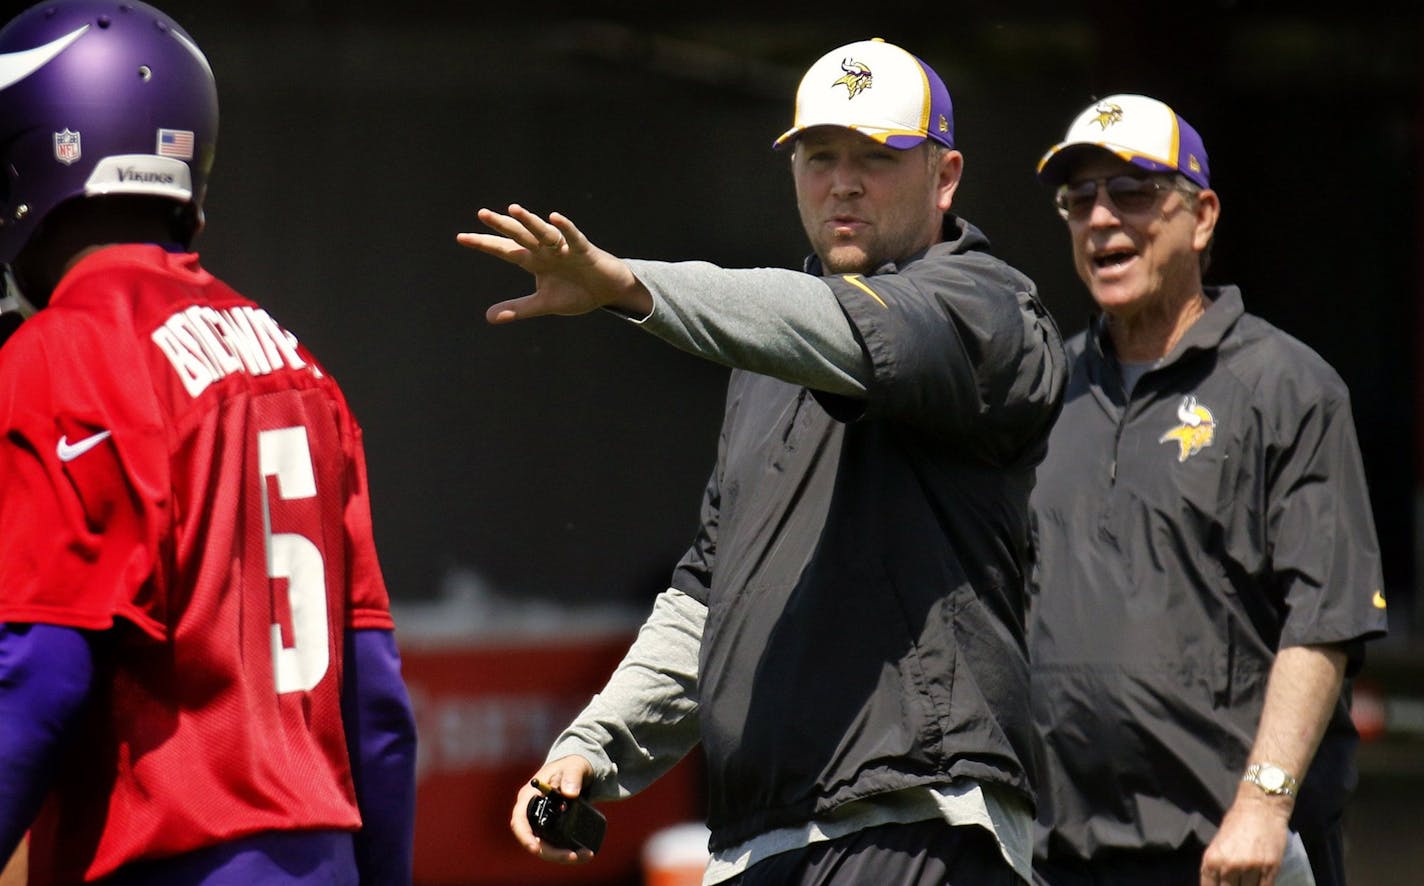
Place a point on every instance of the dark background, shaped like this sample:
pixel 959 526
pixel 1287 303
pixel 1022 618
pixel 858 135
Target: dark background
pixel 564 458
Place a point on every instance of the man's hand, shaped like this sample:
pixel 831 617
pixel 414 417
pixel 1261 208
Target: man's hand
pixel 1251 842
pixel 565 775
pixel 571 275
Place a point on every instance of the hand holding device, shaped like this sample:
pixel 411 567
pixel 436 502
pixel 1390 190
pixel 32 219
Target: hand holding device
pixel 569 823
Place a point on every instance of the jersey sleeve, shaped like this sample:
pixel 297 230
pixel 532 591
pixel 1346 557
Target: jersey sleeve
pixel 370 602
pixel 86 501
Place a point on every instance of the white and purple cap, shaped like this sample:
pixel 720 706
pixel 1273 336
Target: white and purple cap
pixel 877 89
pixel 1141 130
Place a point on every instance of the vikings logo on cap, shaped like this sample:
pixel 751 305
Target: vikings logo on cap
pixel 899 100
pixel 857 77
pixel 1108 114
pixel 1196 431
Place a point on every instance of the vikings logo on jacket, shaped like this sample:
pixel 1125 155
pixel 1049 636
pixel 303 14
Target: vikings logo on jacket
pixel 1196 431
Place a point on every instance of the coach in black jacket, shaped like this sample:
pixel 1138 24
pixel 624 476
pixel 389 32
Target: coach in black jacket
pixel 845 635
pixel 1207 569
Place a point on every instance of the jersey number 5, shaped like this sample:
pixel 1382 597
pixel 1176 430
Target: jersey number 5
pixel 285 454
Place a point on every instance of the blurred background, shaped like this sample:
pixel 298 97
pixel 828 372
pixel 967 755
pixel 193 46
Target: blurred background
pixel 534 484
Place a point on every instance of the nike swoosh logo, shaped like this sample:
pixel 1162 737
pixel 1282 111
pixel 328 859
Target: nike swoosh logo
pixel 70 451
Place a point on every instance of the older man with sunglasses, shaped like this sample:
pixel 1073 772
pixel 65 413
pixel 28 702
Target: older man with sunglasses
pixel 1206 568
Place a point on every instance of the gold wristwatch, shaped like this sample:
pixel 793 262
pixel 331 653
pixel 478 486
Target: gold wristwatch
pixel 1272 779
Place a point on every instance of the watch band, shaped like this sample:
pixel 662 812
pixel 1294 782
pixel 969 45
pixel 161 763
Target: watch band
pixel 1271 779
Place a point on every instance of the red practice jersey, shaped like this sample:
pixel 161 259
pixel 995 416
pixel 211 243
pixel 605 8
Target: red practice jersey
pixel 179 473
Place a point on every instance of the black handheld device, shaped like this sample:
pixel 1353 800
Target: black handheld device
pixel 564 822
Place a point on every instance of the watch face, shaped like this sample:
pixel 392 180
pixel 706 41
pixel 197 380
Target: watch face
pixel 1272 778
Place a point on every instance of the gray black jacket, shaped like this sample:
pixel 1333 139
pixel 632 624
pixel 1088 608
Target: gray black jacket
pixel 862 558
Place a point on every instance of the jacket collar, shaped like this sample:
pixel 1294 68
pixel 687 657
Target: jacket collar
pixel 1207 333
pixel 1104 374
pixel 959 237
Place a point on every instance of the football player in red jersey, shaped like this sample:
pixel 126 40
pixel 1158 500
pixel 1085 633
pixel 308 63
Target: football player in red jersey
pixel 199 682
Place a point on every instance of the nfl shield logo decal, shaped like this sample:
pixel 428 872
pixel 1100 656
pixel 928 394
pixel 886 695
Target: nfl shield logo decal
pixel 66 146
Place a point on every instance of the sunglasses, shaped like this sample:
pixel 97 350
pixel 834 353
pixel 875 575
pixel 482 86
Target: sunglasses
pixel 1127 193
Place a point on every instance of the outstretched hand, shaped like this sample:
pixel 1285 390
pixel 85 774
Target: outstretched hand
pixel 571 275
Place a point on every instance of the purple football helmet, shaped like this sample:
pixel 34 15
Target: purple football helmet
pixel 99 98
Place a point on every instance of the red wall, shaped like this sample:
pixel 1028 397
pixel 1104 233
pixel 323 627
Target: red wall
pixel 486 716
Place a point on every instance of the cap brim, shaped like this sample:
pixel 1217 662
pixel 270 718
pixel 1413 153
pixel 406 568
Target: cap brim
pixel 898 139
pixel 1054 165
pixel 787 137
